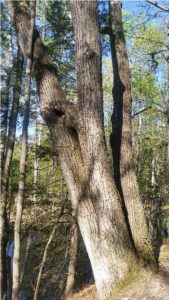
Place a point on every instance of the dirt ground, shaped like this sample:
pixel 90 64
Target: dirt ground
pixel 148 286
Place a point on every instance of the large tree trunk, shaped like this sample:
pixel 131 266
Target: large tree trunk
pixel 121 139
pixel 78 138
pixel 22 170
pixel 6 170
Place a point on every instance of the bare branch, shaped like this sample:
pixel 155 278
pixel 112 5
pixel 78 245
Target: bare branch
pixel 156 4
pixel 141 111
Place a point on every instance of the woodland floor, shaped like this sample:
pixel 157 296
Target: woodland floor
pixel 147 286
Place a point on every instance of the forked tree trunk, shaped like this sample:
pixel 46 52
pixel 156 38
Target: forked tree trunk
pixel 121 139
pixel 6 170
pixel 22 170
pixel 72 261
pixel 78 138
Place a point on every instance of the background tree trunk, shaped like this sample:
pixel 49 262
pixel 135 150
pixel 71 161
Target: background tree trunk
pixel 121 140
pixel 28 245
pixel 72 261
pixel 4 116
pixel 21 185
pixel 36 160
pixel 6 167
pixel 42 264
pixel 168 98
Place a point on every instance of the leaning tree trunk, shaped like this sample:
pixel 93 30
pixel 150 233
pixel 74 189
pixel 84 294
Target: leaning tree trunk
pixel 6 167
pixel 78 138
pixel 121 139
pixel 21 185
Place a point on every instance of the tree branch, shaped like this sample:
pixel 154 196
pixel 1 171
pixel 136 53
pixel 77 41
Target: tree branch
pixel 163 111
pixel 156 4
pixel 141 111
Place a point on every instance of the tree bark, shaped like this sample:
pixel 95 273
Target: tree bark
pixel 21 185
pixel 121 140
pixel 99 210
pixel 78 138
pixel 6 170
pixel 72 261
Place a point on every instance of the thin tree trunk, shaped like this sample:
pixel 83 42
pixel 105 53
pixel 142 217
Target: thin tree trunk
pixel 121 140
pixel 6 168
pixel 21 185
pixel 35 175
pixel 168 99
pixel 3 213
pixel 38 281
pixel 36 162
pixel 72 261
pixel 28 245
pixel 4 117
pixel 78 138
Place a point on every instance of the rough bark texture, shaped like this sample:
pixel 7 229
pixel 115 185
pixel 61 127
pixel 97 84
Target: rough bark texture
pixel 121 139
pixel 99 212
pixel 72 261
pixel 22 170
pixel 78 138
pixel 6 172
